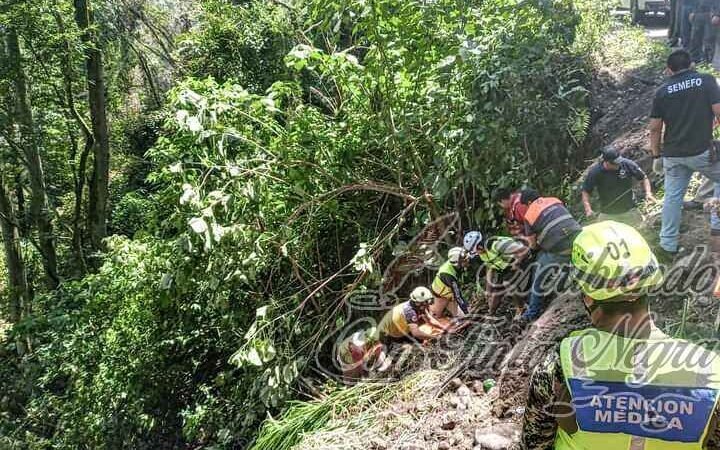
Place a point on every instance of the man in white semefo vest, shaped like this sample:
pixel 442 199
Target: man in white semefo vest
pixel 621 384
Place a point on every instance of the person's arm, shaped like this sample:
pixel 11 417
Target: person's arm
pixel 640 175
pixel 530 236
pixel 713 93
pixel 588 186
pixel 457 292
pixel 586 203
pixel 649 197
pixel 656 128
pixel 532 241
pixel 420 334
pixel 520 255
pixel 539 424
pixel 432 320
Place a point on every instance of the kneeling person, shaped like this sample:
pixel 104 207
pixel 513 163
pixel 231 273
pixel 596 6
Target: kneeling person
pixel 359 351
pixel 446 286
pixel 505 259
pixel 404 320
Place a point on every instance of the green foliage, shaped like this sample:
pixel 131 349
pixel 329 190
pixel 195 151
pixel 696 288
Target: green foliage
pixel 307 139
pixel 134 212
pixel 244 41
pixel 631 48
pixel 305 417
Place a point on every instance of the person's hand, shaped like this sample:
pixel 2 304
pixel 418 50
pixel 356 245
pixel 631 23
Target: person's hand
pixel 658 166
pixel 650 198
pixel 589 212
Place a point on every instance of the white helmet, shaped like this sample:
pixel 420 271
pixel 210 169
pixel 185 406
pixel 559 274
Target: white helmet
pixel 456 254
pixel 358 339
pixel 471 241
pixel 421 296
pixel 364 337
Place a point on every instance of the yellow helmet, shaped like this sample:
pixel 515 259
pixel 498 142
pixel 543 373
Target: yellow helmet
pixel 611 259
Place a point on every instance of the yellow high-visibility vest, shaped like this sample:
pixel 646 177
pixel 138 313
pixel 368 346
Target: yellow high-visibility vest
pixel 632 394
pixel 393 323
pixel 441 289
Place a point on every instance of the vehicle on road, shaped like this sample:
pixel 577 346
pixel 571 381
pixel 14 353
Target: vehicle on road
pixel 640 9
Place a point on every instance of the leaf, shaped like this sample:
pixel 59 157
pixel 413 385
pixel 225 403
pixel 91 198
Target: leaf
pixel 269 353
pixel 189 195
pixel 198 225
pixel 193 124
pixel 253 357
pixel 166 281
pixel 261 312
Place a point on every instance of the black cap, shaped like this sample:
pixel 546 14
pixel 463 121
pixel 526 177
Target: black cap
pixel 528 196
pixel 610 154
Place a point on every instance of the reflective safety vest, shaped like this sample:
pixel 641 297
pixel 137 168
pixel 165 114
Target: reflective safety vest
pixel 628 394
pixel 497 257
pixel 441 289
pixel 553 223
pixel 393 323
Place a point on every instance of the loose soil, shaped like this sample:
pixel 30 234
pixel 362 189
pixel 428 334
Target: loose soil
pixel 450 408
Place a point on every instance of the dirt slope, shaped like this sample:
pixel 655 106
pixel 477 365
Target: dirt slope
pixel 448 407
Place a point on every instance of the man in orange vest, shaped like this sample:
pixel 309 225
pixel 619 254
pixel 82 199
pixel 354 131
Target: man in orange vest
pixel 551 229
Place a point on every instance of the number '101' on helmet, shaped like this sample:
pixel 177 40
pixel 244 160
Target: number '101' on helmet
pixel 611 259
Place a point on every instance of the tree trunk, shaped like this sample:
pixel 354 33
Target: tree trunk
pixel 79 173
pixel 39 205
pixel 17 276
pixel 98 204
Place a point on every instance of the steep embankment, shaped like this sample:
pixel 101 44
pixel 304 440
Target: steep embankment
pixel 443 403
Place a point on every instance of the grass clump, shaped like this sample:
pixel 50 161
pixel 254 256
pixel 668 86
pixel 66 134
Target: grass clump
pixel 629 48
pixel 315 415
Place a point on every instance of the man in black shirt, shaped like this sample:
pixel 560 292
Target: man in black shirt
pixel 612 177
pixel 685 106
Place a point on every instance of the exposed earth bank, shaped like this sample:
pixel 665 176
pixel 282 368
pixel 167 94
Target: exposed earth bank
pixel 441 401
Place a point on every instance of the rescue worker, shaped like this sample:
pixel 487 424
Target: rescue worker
pixel 684 107
pixel 446 286
pixel 612 177
pixel 513 210
pixel 403 320
pixel 621 384
pixel 550 228
pixel 506 261
pixel 358 352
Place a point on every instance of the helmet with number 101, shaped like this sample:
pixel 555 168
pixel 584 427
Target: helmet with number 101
pixel 612 259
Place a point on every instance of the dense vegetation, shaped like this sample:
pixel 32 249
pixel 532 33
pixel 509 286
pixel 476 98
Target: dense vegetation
pixel 190 190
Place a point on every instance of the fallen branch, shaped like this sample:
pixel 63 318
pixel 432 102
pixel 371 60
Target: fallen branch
pixel 367 186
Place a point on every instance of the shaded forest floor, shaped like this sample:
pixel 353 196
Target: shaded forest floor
pixel 443 404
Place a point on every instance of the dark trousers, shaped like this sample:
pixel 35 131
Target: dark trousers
pixel 702 41
pixel 685 25
pixel 673 23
